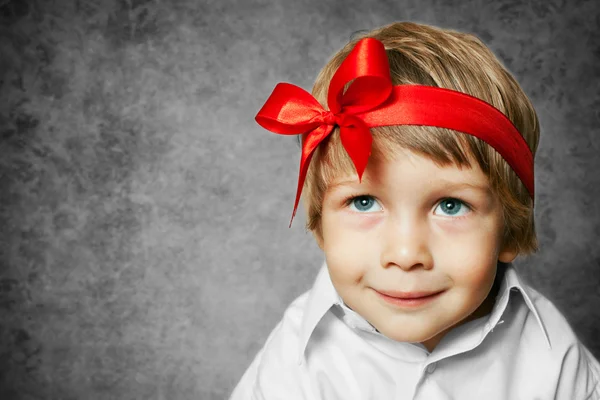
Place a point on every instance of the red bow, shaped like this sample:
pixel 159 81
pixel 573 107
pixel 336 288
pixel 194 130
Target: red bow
pixel 290 110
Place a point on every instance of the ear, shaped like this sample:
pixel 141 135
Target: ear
pixel 508 254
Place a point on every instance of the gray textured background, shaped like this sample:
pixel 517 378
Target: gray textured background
pixel 144 244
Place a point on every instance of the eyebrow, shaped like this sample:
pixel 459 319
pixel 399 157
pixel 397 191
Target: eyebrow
pixel 347 182
pixel 460 185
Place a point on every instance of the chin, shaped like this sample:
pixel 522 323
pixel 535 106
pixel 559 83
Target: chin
pixel 410 337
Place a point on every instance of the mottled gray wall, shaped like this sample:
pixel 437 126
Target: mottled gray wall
pixel 144 244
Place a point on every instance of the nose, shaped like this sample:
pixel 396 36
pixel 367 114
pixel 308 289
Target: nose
pixel 406 245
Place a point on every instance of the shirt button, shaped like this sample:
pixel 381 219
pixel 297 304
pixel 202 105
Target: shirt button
pixel 430 368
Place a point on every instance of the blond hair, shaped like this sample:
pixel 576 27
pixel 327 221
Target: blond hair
pixel 427 55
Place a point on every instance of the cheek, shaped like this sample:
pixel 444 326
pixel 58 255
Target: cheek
pixel 473 282
pixel 346 264
pixel 478 279
pixel 471 264
pixel 339 238
pixel 467 250
pixel 346 254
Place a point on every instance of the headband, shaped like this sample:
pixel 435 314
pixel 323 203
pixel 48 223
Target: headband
pixel 371 100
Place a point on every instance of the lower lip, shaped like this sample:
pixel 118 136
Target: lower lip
pixel 419 301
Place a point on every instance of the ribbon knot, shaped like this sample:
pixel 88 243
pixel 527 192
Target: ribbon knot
pixel 330 118
pixel 290 110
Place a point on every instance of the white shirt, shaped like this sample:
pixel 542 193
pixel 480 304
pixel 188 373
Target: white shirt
pixel 321 349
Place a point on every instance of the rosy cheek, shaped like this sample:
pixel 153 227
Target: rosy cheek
pixel 478 281
pixel 345 269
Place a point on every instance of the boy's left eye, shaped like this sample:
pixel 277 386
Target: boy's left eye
pixel 452 207
pixel 364 204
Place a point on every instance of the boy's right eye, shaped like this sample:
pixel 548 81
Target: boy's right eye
pixel 364 204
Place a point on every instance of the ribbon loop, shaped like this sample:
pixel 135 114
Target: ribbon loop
pixel 290 110
pixel 367 69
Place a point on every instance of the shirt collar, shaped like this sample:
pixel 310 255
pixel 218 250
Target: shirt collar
pixel 513 282
pixel 323 296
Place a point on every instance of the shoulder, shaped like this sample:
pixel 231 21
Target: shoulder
pixel 553 321
pixel 577 371
pixel 283 341
pixel 286 334
pixel 275 372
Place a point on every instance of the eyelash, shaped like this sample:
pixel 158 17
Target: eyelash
pixel 464 203
pixel 348 201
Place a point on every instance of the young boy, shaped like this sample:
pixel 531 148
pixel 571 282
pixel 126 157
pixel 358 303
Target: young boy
pixel 421 195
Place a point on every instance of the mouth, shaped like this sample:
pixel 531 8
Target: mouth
pixel 409 299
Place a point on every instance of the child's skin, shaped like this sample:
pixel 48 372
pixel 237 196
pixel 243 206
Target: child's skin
pixel 410 226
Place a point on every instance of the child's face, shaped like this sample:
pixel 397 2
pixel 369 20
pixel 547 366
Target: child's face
pixel 407 228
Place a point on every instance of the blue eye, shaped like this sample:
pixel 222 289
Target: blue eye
pixel 364 204
pixel 453 207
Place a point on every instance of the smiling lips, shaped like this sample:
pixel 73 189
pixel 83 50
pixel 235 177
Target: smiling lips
pixel 408 299
pixel 407 295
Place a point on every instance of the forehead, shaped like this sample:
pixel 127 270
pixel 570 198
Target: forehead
pixel 410 168
pixel 336 165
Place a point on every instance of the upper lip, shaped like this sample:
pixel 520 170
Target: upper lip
pixel 408 295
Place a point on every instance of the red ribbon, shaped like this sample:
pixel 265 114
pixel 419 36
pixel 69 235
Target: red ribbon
pixel 371 100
